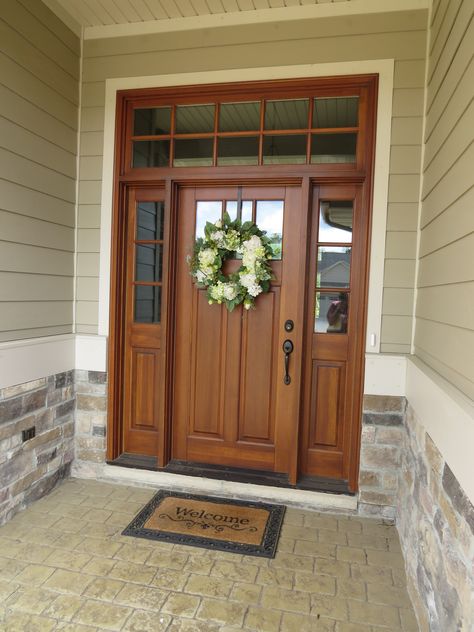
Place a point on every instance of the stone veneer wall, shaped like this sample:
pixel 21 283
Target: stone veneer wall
pixel 91 416
pixel 382 442
pixel 30 469
pixel 435 521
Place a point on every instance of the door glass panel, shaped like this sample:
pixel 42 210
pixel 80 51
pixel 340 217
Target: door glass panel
pixel 336 112
pixel 333 148
pixel 334 266
pixel 207 212
pixel 331 312
pixel 150 220
pixel 335 221
pixel 269 217
pixel 194 119
pixel 151 153
pixel 151 121
pixel 287 114
pixel 239 117
pixel 193 152
pixel 246 214
pixel 148 262
pixel 283 150
pixel 241 150
pixel 147 304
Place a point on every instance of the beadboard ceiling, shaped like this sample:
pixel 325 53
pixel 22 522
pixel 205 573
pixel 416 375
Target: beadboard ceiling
pixel 89 13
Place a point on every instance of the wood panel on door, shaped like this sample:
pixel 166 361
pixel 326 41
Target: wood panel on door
pixel 334 333
pixel 230 404
pixel 146 267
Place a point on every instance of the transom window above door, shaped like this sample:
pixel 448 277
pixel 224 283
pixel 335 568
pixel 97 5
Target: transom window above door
pixel 314 130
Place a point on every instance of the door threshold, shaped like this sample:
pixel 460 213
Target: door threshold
pixel 232 474
pixel 291 496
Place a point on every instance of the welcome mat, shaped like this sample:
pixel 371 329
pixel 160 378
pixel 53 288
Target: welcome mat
pixel 251 528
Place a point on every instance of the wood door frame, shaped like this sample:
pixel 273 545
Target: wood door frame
pixel 307 176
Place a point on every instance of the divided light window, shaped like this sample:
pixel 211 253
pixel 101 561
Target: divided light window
pixel 313 130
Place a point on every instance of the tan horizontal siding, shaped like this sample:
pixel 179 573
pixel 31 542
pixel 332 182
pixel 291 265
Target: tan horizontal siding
pixel 454 146
pixel 87 312
pixel 25 201
pixel 440 96
pixel 29 314
pixel 34 332
pixel 449 264
pixel 449 304
pixel 444 333
pixel 454 223
pixel 459 101
pixel 54 24
pixel 39 93
pixel 17 109
pixel 398 36
pixel 22 287
pixel 402 216
pixel 36 62
pixel 88 216
pixel 40 36
pixel 87 289
pixel 20 141
pixel 26 230
pixel 398 301
pixel 457 180
pixel 449 350
pixel 88 240
pixel 15 257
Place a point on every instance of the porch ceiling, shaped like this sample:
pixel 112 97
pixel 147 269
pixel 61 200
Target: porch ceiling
pixel 114 18
pixel 105 12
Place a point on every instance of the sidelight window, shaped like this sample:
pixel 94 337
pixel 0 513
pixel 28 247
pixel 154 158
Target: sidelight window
pixel 148 277
pixel 333 267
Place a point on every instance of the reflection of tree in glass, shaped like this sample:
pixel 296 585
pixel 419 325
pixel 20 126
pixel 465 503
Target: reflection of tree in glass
pixel 275 245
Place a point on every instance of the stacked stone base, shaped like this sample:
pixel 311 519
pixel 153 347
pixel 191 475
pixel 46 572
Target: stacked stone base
pixel 31 468
pixel 435 520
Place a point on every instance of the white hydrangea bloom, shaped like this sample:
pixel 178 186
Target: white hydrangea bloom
pixel 206 257
pixel 248 280
pixel 200 276
pixel 219 237
pixel 253 243
pixel 230 291
pixel 254 290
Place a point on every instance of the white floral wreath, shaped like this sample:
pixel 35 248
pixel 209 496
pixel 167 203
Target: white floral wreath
pixel 221 241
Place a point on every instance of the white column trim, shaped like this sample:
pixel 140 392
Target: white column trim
pixel 383 67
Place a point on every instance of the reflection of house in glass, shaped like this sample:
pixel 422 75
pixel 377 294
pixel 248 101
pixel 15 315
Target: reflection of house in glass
pixel 334 267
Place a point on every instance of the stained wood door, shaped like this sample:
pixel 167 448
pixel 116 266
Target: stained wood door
pixel 231 405
pixel 334 341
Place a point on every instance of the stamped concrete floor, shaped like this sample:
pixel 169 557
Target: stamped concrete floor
pixel 65 566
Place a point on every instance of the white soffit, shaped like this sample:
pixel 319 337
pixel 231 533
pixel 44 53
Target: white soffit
pixel 118 18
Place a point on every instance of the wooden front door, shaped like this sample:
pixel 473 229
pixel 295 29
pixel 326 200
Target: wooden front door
pixel 231 405
pixel 190 382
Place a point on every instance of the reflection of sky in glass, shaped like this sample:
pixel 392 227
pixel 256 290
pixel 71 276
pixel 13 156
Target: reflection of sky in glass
pixel 207 212
pixel 231 208
pixel 331 233
pixel 270 219
pixel 270 216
